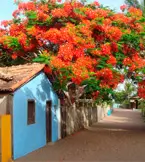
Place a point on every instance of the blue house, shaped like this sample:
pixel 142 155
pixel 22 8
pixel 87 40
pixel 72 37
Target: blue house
pixel 28 96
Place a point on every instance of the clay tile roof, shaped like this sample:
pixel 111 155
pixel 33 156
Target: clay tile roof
pixel 13 77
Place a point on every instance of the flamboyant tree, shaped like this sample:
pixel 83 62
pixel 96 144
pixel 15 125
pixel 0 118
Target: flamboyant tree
pixel 134 3
pixel 85 44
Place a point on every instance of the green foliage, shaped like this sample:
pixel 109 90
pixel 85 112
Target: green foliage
pixel 131 39
pixel 6 60
pixel 57 85
pixel 92 85
pixel 78 11
pixel 31 15
pixel 134 3
pixel 105 94
pixel 142 19
pixel 13 42
pixel 120 57
pixel 123 97
pixel 102 63
pixel 142 107
pixel 119 96
pixel 42 59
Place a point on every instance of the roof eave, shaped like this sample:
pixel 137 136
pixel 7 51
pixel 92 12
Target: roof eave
pixel 23 81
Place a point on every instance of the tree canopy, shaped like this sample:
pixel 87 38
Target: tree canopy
pixel 133 3
pixel 85 44
pixel 123 96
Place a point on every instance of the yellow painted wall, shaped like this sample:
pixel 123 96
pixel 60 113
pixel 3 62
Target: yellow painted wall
pixel 5 136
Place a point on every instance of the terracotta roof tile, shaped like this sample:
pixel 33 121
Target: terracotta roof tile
pixel 13 77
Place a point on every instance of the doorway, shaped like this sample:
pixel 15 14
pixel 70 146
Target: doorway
pixel 48 121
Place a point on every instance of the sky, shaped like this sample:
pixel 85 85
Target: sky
pixel 7 7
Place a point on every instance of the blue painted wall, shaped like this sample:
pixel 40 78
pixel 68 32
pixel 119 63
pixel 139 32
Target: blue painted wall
pixel 27 138
pixel 109 112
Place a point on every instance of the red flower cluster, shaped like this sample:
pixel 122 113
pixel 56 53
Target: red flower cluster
pixel 114 47
pixel 27 6
pixel 123 7
pixel 85 40
pixel 47 70
pixel 113 33
pixel 141 89
pixel 95 95
pixel 58 12
pixel 135 12
pixel 112 60
pixel 66 52
pixel 106 49
pixel 128 50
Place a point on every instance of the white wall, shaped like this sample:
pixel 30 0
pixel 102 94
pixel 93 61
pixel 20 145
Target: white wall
pixel 3 104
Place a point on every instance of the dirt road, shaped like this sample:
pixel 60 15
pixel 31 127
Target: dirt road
pixel 117 138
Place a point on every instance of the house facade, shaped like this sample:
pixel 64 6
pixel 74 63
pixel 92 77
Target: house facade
pixel 34 108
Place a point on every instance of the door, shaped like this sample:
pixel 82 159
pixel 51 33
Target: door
pixel 48 121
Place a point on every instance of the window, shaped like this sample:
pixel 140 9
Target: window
pixel 31 112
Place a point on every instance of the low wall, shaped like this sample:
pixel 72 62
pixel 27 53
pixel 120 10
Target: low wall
pixel 84 114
